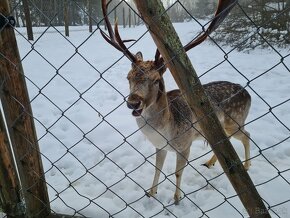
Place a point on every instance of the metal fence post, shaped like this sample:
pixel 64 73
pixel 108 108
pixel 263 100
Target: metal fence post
pixel 169 45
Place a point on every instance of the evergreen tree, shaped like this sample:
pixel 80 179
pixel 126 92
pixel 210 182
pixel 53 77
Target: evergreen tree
pixel 204 8
pixel 258 23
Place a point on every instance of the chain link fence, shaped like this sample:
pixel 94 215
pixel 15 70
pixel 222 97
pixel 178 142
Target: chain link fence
pixel 96 161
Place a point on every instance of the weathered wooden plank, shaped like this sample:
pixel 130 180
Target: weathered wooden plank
pixel 18 114
pixel 58 215
pixel 169 45
pixel 9 184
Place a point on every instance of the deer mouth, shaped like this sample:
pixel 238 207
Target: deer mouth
pixel 137 113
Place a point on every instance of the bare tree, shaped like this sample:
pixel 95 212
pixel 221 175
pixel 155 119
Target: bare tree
pixel 90 16
pixel 66 17
pixel 27 19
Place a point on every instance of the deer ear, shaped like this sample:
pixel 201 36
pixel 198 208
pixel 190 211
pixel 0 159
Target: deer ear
pixel 160 66
pixel 139 56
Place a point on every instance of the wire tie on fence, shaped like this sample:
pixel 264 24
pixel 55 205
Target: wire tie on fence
pixel 17 210
pixel 7 21
pixel 21 208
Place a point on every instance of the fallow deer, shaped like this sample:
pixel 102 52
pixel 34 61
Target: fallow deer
pixel 165 118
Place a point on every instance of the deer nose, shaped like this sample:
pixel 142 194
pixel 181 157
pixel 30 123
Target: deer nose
pixel 133 105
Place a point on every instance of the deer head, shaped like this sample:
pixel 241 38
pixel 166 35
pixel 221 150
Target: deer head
pixel 146 84
pixel 145 77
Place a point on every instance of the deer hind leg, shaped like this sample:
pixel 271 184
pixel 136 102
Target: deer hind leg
pixel 244 137
pixel 181 160
pixel 160 157
pixel 210 162
pixel 241 134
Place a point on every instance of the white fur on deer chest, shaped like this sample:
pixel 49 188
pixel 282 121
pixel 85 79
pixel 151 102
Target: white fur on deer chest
pixel 159 137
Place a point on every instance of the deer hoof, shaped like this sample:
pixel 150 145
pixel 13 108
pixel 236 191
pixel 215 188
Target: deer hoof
pixel 151 193
pixel 208 166
pixel 247 165
pixel 176 200
pixel 205 165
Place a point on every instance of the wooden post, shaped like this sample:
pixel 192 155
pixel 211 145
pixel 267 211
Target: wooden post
pixel 20 124
pixel 169 45
pixel 9 184
pixel 27 19
pixel 66 18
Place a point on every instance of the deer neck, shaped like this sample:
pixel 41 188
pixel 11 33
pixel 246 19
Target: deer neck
pixel 157 113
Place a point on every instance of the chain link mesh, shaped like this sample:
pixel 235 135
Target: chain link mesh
pixel 96 161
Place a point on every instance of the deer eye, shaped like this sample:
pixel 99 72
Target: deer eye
pixel 156 82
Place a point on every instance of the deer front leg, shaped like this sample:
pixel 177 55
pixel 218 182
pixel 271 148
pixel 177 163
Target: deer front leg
pixel 181 160
pixel 160 157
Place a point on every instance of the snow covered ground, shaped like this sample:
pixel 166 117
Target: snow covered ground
pixel 96 161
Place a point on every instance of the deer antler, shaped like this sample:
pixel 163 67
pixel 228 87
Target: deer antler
pixel 223 9
pixel 114 37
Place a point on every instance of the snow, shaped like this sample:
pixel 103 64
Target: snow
pixel 96 161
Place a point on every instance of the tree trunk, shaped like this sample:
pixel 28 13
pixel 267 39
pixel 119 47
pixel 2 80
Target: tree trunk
pixel 287 37
pixel 115 15
pixel 28 19
pixel 124 18
pixel 66 18
pixel 90 16
pixel 129 17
